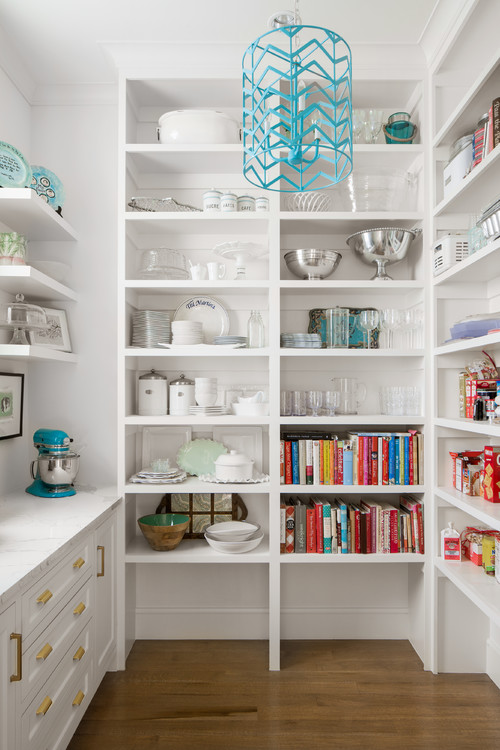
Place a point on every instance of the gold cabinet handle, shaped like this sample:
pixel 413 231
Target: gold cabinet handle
pixel 19 657
pixel 44 652
pixel 101 550
pixel 78 698
pixel 44 598
pixel 79 563
pixel 44 706
pixel 79 654
pixel 79 609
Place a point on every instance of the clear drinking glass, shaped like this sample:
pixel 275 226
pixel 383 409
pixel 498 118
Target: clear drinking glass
pixel 314 402
pixel 390 320
pixel 358 125
pixel 368 320
pixel 285 403
pixel 299 404
pixel 331 402
pixel 374 122
pixel 337 327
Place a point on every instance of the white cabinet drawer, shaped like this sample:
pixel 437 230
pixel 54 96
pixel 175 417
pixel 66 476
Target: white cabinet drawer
pixel 74 703
pixel 44 654
pixel 42 599
pixel 58 693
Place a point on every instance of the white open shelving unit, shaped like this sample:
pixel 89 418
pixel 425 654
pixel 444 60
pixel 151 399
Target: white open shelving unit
pixel 23 211
pixel 464 603
pixel 265 598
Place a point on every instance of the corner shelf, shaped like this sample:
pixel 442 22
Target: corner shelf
pixel 485 512
pixel 483 590
pixel 34 284
pixel 23 352
pixel 25 212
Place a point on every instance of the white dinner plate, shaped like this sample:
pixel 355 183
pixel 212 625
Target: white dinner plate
pixel 209 312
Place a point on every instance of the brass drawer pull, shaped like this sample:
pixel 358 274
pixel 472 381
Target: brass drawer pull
pixel 44 598
pixel 79 609
pixel 19 657
pixel 79 654
pixel 44 652
pixel 79 563
pixel 44 706
pixel 78 698
pixel 101 549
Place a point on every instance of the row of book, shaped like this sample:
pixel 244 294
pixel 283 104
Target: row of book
pixel 323 525
pixel 362 458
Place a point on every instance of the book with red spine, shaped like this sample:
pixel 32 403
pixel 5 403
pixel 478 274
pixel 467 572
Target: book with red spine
pixel 374 460
pixel 364 530
pixel 340 462
pixel 385 460
pixel 318 508
pixel 410 450
pixel 360 460
pixel 310 529
pixel 288 462
pixel 355 513
pixel 290 529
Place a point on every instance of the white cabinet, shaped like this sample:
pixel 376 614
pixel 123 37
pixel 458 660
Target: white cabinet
pixel 10 674
pixel 464 599
pixel 26 213
pixel 262 593
pixel 105 595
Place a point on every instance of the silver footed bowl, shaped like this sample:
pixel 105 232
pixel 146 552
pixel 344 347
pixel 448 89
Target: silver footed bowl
pixel 311 263
pixel 382 246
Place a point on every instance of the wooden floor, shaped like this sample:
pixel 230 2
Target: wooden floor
pixel 219 695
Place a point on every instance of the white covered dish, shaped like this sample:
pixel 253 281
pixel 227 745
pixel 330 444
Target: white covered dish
pixel 233 467
pixel 197 126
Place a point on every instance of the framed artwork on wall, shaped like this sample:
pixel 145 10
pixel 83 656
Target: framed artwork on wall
pixel 11 405
pixel 56 336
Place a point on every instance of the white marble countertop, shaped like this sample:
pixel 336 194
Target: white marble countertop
pixel 36 531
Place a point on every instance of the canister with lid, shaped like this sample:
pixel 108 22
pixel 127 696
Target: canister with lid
pixel 459 165
pixel 181 396
pixel 228 202
pixel 246 203
pixel 152 394
pixel 211 200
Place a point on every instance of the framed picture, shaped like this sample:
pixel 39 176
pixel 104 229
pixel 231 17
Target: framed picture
pixel 11 405
pixel 56 336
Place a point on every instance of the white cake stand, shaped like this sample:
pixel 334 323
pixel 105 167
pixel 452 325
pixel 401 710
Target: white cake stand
pixel 241 252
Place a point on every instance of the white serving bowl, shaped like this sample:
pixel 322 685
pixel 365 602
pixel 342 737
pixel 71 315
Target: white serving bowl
pixel 232 531
pixel 233 467
pixel 235 548
pixel 251 410
pixel 197 126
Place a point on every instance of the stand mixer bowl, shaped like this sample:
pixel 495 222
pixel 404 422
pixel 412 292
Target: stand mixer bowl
pixel 382 246
pixel 56 470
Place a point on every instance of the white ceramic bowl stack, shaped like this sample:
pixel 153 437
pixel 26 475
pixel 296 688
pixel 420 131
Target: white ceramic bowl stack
pixel 234 537
pixel 205 391
pixel 187 332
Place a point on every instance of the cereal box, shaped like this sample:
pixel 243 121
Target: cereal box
pixel 491 484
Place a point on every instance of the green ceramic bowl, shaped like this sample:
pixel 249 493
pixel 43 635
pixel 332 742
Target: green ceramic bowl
pixel 163 531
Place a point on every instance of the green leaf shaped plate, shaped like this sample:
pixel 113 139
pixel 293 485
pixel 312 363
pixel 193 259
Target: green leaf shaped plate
pixel 198 456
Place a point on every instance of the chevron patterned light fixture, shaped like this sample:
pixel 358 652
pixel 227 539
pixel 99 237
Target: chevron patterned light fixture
pixel 297 110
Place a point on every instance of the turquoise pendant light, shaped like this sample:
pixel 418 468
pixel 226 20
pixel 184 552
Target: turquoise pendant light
pixel 297 109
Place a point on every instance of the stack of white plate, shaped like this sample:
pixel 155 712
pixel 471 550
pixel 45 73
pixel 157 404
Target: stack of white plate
pixel 150 328
pixel 301 340
pixel 214 411
pixel 187 332
pixel 233 340
pixel 233 537
pixel 147 476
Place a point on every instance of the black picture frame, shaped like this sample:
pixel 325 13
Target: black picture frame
pixel 11 405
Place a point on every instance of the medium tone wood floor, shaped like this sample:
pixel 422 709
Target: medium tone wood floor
pixel 219 695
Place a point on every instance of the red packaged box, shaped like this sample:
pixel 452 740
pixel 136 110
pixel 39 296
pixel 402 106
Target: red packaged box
pixel 491 484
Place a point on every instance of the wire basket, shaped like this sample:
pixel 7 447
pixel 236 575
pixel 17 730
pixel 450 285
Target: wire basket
pixel 159 204
pixel 308 202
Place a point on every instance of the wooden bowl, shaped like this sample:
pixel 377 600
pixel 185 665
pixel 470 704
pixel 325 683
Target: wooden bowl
pixel 163 531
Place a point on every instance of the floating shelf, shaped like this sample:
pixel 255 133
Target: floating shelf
pixel 36 286
pixel 26 352
pixel 25 212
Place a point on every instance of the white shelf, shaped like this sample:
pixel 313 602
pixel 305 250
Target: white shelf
pixel 483 590
pixel 474 192
pixel 468 425
pixel 375 288
pixel 352 419
pixel 368 353
pixel 148 222
pixel 193 484
pixel 25 212
pixel 352 489
pixel 194 351
pixel 26 352
pixel 464 345
pixel 345 222
pixel 170 421
pixel 159 159
pixel 482 510
pixel 192 551
pixel 477 267
pixel 33 284
pixel 339 559
pixel 197 287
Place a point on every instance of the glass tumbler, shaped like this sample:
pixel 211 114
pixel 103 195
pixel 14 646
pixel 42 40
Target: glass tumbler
pixel 337 327
pixel 298 404
pixel 286 403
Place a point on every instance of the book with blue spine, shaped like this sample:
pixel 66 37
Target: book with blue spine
pixel 327 527
pixel 392 459
pixel 347 457
pixel 295 462
pixel 396 462
pixel 406 479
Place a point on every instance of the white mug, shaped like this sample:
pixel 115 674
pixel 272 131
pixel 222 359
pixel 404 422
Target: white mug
pixel 198 271
pixel 216 270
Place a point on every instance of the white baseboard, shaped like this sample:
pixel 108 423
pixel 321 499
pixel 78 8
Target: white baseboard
pixel 186 623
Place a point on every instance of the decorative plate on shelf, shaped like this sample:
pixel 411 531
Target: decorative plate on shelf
pixel 198 456
pixel 209 312
pixel 15 172
pixel 48 186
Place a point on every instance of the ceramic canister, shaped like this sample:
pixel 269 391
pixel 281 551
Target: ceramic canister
pixel 262 203
pixel 181 396
pixel 228 202
pixel 211 200
pixel 246 203
pixel 152 394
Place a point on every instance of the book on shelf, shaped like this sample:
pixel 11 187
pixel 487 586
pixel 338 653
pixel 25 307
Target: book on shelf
pixel 359 458
pixel 331 525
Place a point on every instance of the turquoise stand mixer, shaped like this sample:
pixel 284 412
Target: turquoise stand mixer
pixel 56 465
